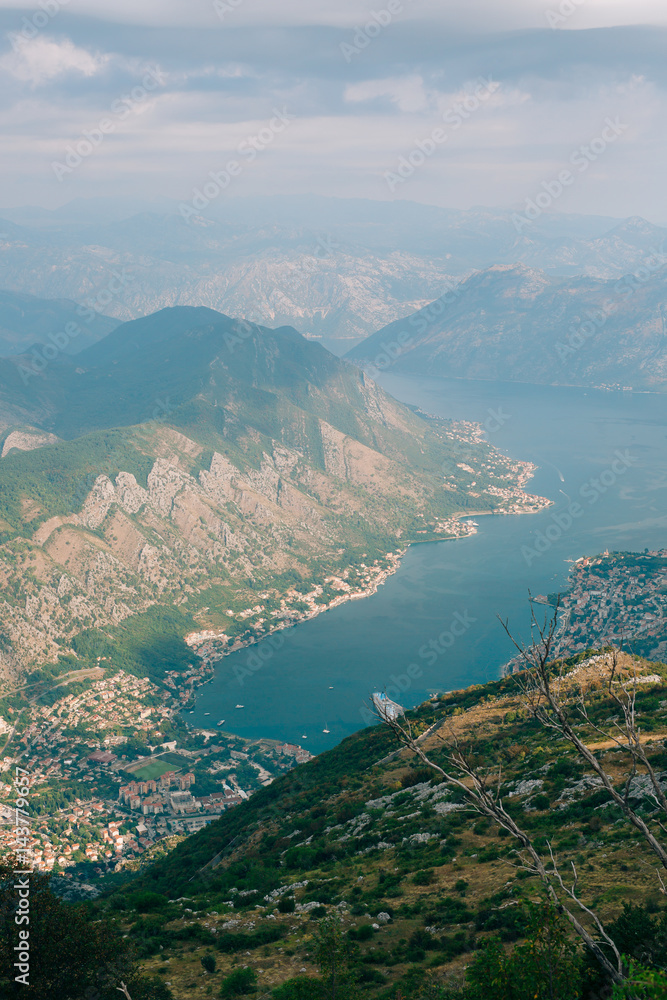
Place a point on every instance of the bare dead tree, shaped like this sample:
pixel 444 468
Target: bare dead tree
pixel 547 695
pixel 544 695
pixel 462 774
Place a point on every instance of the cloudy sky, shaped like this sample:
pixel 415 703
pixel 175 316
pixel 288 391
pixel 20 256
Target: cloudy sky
pixel 455 104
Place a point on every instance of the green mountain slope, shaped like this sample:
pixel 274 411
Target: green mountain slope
pixel 212 464
pixel 420 880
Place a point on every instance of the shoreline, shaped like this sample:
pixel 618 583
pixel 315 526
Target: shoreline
pixel 381 577
pixel 210 659
pixel 536 385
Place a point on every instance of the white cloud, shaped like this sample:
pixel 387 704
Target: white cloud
pixel 407 92
pixel 474 15
pixel 41 59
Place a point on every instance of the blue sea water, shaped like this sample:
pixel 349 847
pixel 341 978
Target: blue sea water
pixel 605 452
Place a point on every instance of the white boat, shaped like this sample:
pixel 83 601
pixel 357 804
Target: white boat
pixel 192 713
pixel 221 723
pixel 207 713
pixel 304 737
pixel 240 706
pixel 326 730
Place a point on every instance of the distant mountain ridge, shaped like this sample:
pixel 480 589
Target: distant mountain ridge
pixel 334 269
pixel 63 325
pixel 512 322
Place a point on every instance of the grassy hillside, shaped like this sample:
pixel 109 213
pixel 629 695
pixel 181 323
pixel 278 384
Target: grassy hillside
pixel 420 881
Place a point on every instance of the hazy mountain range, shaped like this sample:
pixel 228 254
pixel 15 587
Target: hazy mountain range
pixel 512 322
pixel 26 320
pixel 332 268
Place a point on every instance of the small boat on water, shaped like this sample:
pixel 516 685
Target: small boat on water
pixel 207 713
pixel 304 737
pixel 192 712
pixel 326 730
pixel 240 706
pixel 221 722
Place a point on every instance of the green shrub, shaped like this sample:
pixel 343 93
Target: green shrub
pixel 642 984
pixel 239 983
pixel 147 902
pixel 424 877
pixel 300 988
pixel 544 967
pixel 208 962
pixel 416 776
pixel 363 933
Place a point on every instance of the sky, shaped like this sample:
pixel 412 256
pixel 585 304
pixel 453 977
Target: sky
pixel 455 104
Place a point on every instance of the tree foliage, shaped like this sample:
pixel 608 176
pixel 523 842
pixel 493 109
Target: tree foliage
pixel 72 955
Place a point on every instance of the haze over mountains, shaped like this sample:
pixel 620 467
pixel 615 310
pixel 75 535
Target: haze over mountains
pixel 334 269
pixel 512 322
pixel 26 320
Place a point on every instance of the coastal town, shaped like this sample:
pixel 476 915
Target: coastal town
pixel 296 605
pixel 617 598
pixel 113 772
pixel 114 769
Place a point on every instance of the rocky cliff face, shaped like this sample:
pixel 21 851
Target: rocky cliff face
pixel 131 546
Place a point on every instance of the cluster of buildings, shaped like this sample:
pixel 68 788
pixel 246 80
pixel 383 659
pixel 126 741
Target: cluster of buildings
pixel 612 600
pixel 297 753
pixel 157 796
pixel 183 684
pixel 78 743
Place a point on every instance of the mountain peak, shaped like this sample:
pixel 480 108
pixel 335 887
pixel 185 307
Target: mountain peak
pixel 636 225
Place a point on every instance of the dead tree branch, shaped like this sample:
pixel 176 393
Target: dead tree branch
pixel 484 801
